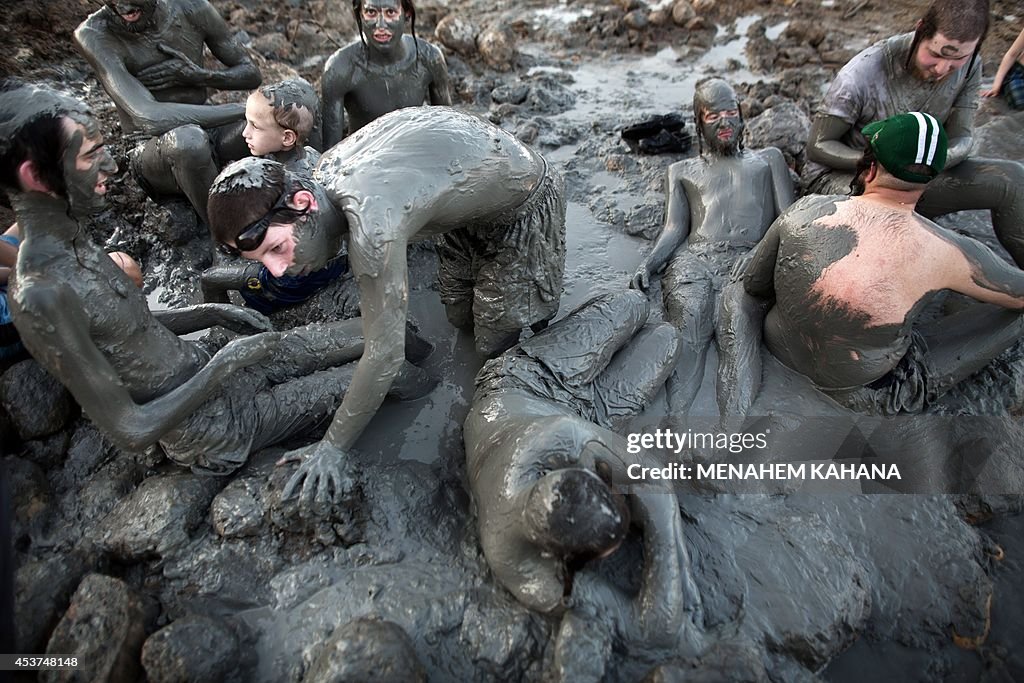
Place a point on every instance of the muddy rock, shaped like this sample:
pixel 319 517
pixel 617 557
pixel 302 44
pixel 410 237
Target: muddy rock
pixel 173 220
pixel 636 20
pixel 104 627
pixel 504 642
pixel 457 34
pixel 30 496
pixel 194 649
pixel 367 649
pixel 85 453
pixel 785 126
pixel 682 12
pixel 498 47
pixel 158 517
pixel 50 407
pixel 43 588
pixel 238 510
pixel 48 451
pixel 510 93
pixel 273 45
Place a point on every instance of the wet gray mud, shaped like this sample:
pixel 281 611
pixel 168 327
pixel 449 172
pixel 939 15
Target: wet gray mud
pixel 836 585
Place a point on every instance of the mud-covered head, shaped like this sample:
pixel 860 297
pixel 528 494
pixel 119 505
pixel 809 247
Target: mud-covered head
pixel 50 143
pixel 573 513
pixel 382 23
pixel 280 116
pixel 947 37
pixel 717 117
pixel 261 211
pixel 134 16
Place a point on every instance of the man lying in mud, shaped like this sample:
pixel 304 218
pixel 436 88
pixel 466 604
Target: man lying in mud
pixel 84 321
pixel 541 454
pixel 936 70
pixel 495 208
pixel 384 70
pixel 718 207
pixel 850 276
pixel 148 55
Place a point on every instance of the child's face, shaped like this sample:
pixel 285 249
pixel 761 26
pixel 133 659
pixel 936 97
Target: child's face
pixel 262 133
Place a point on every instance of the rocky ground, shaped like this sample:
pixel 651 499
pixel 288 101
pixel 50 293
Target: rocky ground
pixel 147 571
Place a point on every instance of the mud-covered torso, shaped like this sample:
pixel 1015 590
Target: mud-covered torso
pixel 848 288
pixel 731 198
pixel 148 358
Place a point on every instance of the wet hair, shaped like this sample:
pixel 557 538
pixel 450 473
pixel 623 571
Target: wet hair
pixel 574 513
pixel 42 140
pixel 244 192
pixel 407 7
pixel 959 20
pixel 859 182
pixel 295 106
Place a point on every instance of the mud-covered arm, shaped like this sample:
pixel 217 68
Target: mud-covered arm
pixel 824 145
pixel 959 127
pixel 56 331
pixel 673 234
pixel 202 316
pixel 241 73
pixel 334 86
pixel 782 183
pixel 440 90
pixel 1012 55
pixel 131 97
pixel 759 280
pixel 973 269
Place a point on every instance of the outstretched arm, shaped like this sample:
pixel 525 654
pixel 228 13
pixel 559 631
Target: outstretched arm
pixel 824 145
pixel 136 101
pixel 675 232
pixel 55 330
pixel 782 183
pixel 203 316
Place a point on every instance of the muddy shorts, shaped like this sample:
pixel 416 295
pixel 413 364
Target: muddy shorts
pixel 510 268
pixel 700 270
pixel 907 389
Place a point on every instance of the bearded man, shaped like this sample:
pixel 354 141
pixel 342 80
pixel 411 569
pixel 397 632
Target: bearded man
pixel 719 205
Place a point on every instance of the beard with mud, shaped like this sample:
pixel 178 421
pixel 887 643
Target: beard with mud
pixel 146 10
pixel 717 146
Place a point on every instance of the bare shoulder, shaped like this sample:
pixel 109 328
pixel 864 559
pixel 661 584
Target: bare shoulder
pixel 771 155
pixel 684 169
pixel 91 34
pixel 343 58
pixel 432 52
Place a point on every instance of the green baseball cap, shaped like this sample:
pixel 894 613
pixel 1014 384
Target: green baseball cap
pixel 906 139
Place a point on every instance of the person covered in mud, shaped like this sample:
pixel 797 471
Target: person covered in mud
pixel 148 55
pixel 936 70
pixel 849 277
pixel 542 451
pixel 86 323
pixel 718 207
pixel 386 69
pixel 279 119
pixel 495 208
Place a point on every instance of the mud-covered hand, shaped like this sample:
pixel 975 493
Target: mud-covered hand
pixel 641 278
pixel 243 320
pixel 176 71
pixel 322 480
pixel 243 352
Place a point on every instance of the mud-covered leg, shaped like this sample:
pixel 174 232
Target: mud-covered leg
pixel 636 374
pixel 455 277
pixel 690 306
pixel 963 343
pixel 180 162
pixel 217 281
pixel 738 334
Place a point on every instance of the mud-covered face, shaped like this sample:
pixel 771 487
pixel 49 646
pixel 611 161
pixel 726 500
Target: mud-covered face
pixel 721 124
pixel 134 15
pixel 296 248
pixel 383 24
pixel 937 57
pixel 87 165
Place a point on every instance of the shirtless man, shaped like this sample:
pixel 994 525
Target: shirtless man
pixel 850 275
pixel 937 70
pixel 719 204
pixel 383 71
pixel 495 208
pixel 148 55
pixel 542 451
pixel 83 320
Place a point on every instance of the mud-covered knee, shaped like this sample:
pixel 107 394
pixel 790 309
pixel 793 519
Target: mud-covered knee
pixel 188 144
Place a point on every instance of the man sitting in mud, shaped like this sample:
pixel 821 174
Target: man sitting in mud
pixel 495 208
pixel 279 119
pixel 849 277
pixel 541 454
pixel 383 71
pixel 720 204
pixel 84 321
pixel 148 55
pixel 936 70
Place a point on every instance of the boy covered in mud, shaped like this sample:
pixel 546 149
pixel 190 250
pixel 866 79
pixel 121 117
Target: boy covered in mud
pixel 492 204
pixel 719 205
pixel 934 70
pixel 148 55
pixel 87 324
pixel 279 120
pixel 384 70
pixel 847 278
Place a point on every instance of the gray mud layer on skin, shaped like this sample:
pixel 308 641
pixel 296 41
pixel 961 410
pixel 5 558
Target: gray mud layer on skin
pixel 793 586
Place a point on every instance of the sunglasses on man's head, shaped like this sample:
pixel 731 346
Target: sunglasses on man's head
pixel 253 235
